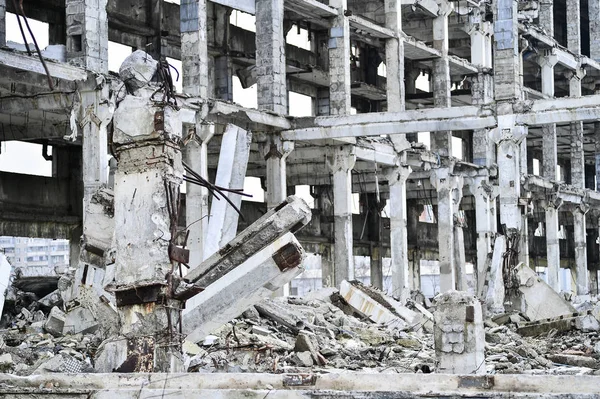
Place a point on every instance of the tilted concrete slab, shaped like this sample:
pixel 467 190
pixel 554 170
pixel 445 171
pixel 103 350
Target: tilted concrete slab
pixel 254 280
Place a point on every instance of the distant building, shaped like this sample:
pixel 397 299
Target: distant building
pixel 24 251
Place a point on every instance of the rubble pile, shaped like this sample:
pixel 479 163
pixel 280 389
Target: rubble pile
pixel 326 331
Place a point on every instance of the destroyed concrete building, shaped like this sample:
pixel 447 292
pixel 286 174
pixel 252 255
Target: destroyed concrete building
pixel 482 115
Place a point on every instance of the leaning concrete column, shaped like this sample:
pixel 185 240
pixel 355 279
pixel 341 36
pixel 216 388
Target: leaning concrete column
pixel 339 61
pixel 270 56
pixel 196 199
pixel 231 172
pixel 194 47
pixel 459 336
pixel 441 142
pixel 147 183
pixel 87 34
pixel 398 230
pixel 581 266
pixel 340 162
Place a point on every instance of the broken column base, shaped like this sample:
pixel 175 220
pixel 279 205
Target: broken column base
pixel 141 354
pixel 459 334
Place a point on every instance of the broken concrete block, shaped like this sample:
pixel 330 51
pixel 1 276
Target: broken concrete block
pixel 260 330
pixel 6 362
pixel 55 322
pixel 99 228
pixel 137 70
pixel 459 336
pixel 291 215
pixel 575 360
pixel 495 294
pixel 538 300
pixel 365 305
pixel 245 285
pixel 111 355
pixel 80 320
pixel 302 359
pixel 587 323
pixel 63 363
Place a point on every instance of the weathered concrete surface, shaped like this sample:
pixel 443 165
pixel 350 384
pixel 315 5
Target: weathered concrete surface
pixel 5 270
pixel 539 300
pixel 459 335
pixel 299 386
pixel 241 288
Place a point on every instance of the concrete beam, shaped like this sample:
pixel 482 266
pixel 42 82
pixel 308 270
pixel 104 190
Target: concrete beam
pixel 58 70
pixel 55 102
pixel 249 283
pixel 379 123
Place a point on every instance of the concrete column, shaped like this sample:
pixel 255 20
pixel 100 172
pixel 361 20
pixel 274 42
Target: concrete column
pixel 95 143
pixel 394 54
pixel 484 150
pixel 549 155
pixel 324 203
pixel 340 162
pixel 552 247
pixel 597 158
pixel 223 64
pixel 339 61
pixel 581 266
pixel 196 199
pixel 87 34
pixel 270 56
pixel 577 156
pixel 546 16
pixel 143 232
pixel 459 335
pixel 593 12
pixel 275 153
pixel 509 182
pixel 506 52
pixel 449 194
pixel 398 230
pixel 441 142
pixel 574 26
pixel 231 172
pixel 485 215
pixel 481 41
pixel 2 23
pixel 194 47
pixel 224 78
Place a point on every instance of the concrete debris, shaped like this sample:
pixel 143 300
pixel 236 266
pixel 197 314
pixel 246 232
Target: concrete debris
pixel 538 300
pixel 302 334
pixel 138 70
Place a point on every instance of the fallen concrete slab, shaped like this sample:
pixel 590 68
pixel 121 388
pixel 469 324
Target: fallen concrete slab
pixel 382 310
pixel 291 215
pixel 538 300
pixel 255 279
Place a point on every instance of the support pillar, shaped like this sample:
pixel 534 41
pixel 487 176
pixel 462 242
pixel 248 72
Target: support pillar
pixel 324 203
pixel 340 162
pixel 339 61
pixel 546 16
pixel 270 56
pixel 581 266
pixel 593 12
pixel 275 153
pixel 441 142
pixel 196 199
pixel 401 284
pixel 194 47
pixel 597 157
pixel 2 23
pixel 394 54
pixel 87 34
pixel 223 63
pixel 485 222
pixel 449 195
pixel 552 247
pixel 145 198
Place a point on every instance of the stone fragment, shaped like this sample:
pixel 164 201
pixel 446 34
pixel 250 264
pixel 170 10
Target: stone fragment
pixel 587 323
pixel 111 355
pixel 55 322
pixel 137 70
pixel 6 362
pixel 80 320
pixel 574 360
pixel 260 330
pixel 302 359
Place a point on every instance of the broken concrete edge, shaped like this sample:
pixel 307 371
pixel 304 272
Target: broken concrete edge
pixel 291 215
pixel 416 384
